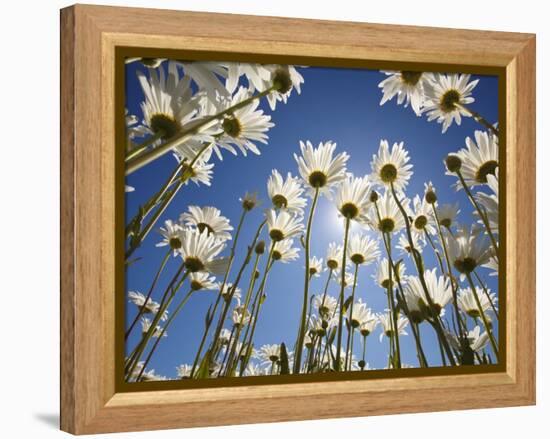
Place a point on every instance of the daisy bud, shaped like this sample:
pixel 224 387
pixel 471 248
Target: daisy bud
pixel 373 197
pixel 431 197
pixel 260 248
pixel 453 163
pixel 282 80
pixel 361 364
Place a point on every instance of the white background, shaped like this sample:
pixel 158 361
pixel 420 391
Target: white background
pixel 29 206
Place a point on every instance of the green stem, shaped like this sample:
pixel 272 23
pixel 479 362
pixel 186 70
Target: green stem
pixel 258 303
pixel 164 329
pixel 231 359
pixel 138 149
pixel 186 134
pixel 483 316
pixel 480 119
pixel 167 300
pixel 419 351
pixel 364 351
pixel 245 263
pixel 167 199
pixel 350 327
pixel 392 308
pixel 343 282
pixel 302 327
pixel 487 295
pixel 218 298
pixel 454 286
pixel 420 269
pixel 144 306
pixel 481 214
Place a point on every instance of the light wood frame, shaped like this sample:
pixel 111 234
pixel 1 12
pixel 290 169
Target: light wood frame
pixel 89 36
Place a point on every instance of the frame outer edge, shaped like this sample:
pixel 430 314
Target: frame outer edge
pixel 525 250
pixel 67 217
pixel 83 405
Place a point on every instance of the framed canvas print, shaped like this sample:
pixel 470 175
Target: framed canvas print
pixel 262 217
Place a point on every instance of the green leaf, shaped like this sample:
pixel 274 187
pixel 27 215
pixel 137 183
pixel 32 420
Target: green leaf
pixel 132 261
pixel 285 370
pixel 347 303
pixel 208 316
pixel 331 335
pixel 204 368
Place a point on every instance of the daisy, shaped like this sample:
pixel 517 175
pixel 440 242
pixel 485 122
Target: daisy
pixel 308 341
pixel 193 149
pixel 390 167
pixel 477 340
pixel 430 196
pixel 282 225
pixel 479 159
pixel 225 335
pixel 348 279
pixel 422 220
pixel 202 281
pixel 318 168
pixel 284 252
pixel 490 202
pixel 492 265
pixel 253 370
pixel 200 251
pixel 227 292
pixel 285 79
pixel 315 266
pixel 447 214
pixel 169 104
pixel 208 219
pixel 352 198
pixel 361 314
pixel 416 312
pixel 362 250
pixel 388 219
pixel 334 256
pixel 326 306
pixel 240 316
pixel 408 86
pixel 150 375
pixel 386 321
pixel 445 97
pixel 148 62
pixel 146 326
pixel 207 76
pixel 269 353
pixel 382 275
pixel 319 326
pixel 199 173
pixel 468 249
pixel 243 127
pixel 133 128
pixel 286 194
pixel 184 371
pixel 368 326
pixel 467 303
pixel 171 234
pixel 257 76
pixel 404 245
pixel 151 307
pixel 438 288
pixel 249 201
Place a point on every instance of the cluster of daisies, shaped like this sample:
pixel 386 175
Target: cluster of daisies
pixel 195 109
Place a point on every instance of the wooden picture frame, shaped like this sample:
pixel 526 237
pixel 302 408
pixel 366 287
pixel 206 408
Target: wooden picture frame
pixel 90 36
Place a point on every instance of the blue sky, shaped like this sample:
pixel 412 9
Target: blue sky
pixel 336 104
